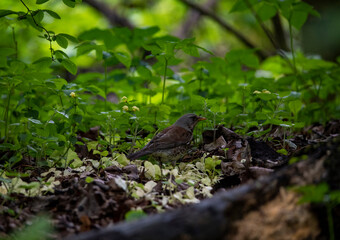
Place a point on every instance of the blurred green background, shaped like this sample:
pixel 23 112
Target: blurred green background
pixel 319 36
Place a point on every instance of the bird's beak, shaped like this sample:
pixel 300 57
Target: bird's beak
pixel 201 118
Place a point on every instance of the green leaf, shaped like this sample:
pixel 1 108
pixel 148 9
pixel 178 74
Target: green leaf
pixel 69 66
pixel 60 54
pixel 134 215
pixel 6 51
pixel 296 13
pixel 69 37
pixel 192 50
pixel 313 193
pixel 210 163
pixel 298 19
pixel 17 174
pixel 85 48
pixel 145 32
pixel 295 106
pixel 77 117
pixel 70 3
pixel 41 1
pixel 122 159
pixel 144 72
pixel 292 96
pixel 243 56
pixel 30 185
pixel 155 49
pixel 39 228
pixel 282 151
pixel 36 121
pixel 241 5
pixel 106 35
pixel 62 41
pixel 5 12
pixel 89 179
pixel 38 16
pixel 43 62
pixel 168 47
pixel 96 90
pixel 52 13
pixel 123 58
pixel 5 180
pixel 266 11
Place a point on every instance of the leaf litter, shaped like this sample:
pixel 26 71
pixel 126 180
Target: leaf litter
pixel 103 191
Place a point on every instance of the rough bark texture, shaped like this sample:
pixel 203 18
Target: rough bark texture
pixel 261 209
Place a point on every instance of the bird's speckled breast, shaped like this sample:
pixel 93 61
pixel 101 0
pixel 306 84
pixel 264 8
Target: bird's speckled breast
pixel 171 154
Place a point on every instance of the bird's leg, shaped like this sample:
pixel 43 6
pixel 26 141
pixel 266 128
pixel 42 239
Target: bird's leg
pixel 161 167
pixel 173 163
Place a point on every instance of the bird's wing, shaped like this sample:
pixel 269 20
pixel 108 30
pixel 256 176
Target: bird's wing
pixel 170 137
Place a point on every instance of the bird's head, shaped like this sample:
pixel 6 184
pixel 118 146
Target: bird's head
pixel 189 121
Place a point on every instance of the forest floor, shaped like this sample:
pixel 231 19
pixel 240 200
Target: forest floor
pixel 106 190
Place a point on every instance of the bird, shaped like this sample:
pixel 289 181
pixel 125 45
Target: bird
pixel 171 143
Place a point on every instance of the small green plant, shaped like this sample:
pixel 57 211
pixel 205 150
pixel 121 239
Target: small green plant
pixel 210 164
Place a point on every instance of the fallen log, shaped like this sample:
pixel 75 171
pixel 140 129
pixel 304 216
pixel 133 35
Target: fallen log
pixel 260 209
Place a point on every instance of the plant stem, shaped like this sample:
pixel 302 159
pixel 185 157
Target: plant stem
pixel 105 86
pixel 200 79
pixel 135 135
pixel 7 112
pixel 15 43
pixel 318 90
pixel 243 101
pixel 164 79
pixel 49 38
pixel 61 100
pixel 292 45
pixel 214 126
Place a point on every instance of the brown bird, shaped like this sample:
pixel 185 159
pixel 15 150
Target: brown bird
pixel 171 143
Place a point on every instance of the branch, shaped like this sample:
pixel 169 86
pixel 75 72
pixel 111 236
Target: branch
pixel 49 38
pixel 114 18
pixel 279 33
pixel 273 41
pixel 222 23
pixel 192 19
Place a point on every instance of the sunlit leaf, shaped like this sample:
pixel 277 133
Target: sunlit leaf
pixel 124 58
pixel 70 3
pixel 62 41
pixel 52 13
pixel 41 1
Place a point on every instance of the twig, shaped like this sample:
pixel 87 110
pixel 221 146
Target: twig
pixel 48 34
pixel 278 32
